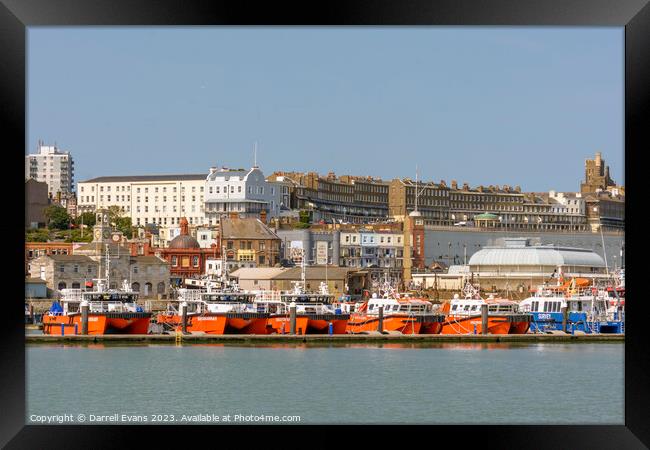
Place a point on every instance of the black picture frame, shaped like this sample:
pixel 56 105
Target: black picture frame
pixel 634 15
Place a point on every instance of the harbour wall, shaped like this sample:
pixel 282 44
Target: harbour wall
pixel 373 337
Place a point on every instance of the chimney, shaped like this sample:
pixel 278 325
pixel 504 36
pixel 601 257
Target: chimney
pixel 443 183
pixel 465 187
pixel 212 170
pixel 454 184
pixel 263 216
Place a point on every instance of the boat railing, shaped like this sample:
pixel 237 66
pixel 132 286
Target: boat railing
pixel 71 295
pixel 262 296
pixel 109 306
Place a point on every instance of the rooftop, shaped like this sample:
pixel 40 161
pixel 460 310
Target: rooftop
pixel 129 178
pixel 517 252
pixel 245 228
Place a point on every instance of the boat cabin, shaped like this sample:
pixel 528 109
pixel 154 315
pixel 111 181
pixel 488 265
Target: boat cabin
pixel 574 304
pixel 399 306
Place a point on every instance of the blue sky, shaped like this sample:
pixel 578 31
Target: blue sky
pixel 484 105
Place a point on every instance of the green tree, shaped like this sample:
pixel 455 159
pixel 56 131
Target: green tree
pixel 124 225
pixel 114 214
pixel 304 216
pixel 57 217
pixel 37 235
pixel 75 236
pixel 87 218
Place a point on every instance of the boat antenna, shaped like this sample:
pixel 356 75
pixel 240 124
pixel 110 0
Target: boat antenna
pixel 602 239
pixel 108 263
pixel 302 270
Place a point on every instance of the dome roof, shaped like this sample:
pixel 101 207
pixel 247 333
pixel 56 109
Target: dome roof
pixel 184 241
pixel 536 256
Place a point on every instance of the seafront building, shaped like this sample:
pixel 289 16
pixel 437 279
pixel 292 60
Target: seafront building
pixel 350 199
pixel 53 166
pixel 148 199
pixel 246 192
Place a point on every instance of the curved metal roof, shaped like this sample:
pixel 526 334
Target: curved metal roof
pixel 536 256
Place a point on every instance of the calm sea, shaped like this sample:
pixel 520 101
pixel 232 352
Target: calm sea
pixel 356 384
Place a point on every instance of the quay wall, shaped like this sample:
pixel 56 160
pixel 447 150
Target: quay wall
pixel 323 339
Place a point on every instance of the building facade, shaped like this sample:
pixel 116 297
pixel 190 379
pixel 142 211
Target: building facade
pixel 186 257
pixel 148 199
pixel 432 201
pixel 346 199
pixel 245 192
pixel 53 166
pixel 248 239
pixel 36 200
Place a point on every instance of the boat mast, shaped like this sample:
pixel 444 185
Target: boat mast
pixel 302 270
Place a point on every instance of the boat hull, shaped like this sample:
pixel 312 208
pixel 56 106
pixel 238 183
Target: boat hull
pixel 360 323
pixel 543 322
pixel 308 324
pixel 219 323
pixel 98 323
pixel 473 325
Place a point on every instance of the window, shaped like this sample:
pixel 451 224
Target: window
pixel 195 261
pixel 174 261
pixel 61 268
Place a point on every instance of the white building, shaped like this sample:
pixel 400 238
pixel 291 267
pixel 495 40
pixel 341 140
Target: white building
pixel 52 166
pixel 156 199
pixel 214 266
pixel 206 237
pixel 567 202
pixel 243 191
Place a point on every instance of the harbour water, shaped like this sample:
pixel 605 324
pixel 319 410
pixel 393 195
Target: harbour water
pixel 464 383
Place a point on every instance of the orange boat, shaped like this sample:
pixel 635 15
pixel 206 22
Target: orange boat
pixel 315 313
pixel 215 312
pixel 463 316
pixel 405 315
pixel 109 312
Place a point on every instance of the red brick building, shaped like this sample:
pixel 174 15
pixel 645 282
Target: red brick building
pixel 185 255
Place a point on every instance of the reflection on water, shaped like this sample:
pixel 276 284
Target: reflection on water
pixel 335 383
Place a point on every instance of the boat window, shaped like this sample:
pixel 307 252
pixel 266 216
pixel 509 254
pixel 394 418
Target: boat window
pixel 474 308
pixel 372 306
pixel 453 308
pixel 546 306
pixel 466 307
